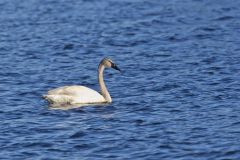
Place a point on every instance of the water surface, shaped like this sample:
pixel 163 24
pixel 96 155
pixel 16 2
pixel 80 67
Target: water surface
pixel 177 98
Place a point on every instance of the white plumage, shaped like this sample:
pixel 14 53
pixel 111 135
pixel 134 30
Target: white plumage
pixel 74 95
pixel 71 95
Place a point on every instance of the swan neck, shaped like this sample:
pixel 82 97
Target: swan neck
pixel 103 87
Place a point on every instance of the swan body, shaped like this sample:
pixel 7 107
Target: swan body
pixel 74 95
pixel 81 94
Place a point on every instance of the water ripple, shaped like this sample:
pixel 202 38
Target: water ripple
pixel 177 97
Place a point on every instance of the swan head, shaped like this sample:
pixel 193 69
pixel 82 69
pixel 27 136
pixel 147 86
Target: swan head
pixel 108 63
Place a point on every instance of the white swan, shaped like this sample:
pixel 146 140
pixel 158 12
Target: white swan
pixel 71 95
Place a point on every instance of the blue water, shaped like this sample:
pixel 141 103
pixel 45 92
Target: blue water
pixel 177 98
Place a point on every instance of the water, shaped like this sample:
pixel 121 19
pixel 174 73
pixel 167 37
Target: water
pixel 177 98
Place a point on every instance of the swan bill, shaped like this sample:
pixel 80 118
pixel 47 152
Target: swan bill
pixel 114 66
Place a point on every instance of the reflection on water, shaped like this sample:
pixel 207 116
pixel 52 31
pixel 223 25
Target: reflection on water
pixel 69 106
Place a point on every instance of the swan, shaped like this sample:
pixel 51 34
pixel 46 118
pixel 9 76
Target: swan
pixel 71 95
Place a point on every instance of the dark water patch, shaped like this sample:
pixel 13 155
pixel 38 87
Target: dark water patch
pixel 37 144
pixel 224 18
pixel 68 46
pixel 78 135
pixel 139 121
pixel 209 29
pixel 84 146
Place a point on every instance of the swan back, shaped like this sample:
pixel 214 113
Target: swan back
pixel 74 95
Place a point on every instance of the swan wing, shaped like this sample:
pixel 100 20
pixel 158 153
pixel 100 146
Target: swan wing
pixel 74 95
